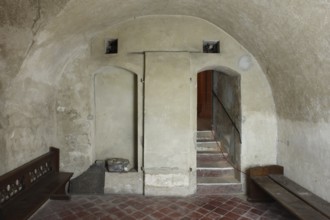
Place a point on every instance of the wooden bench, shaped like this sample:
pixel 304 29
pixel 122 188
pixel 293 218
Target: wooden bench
pixel 268 182
pixel 24 189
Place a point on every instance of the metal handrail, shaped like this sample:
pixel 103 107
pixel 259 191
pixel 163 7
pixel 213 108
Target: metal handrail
pixel 228 115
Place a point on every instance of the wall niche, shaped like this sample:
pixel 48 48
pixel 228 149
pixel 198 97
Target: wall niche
pixel 116 116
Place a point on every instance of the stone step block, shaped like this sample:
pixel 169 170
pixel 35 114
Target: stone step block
pixel 204 135
pixel 223 180
pixel 220 189
pixel 213 164
pixel 208 146
pixel 215 172
pixel 211 156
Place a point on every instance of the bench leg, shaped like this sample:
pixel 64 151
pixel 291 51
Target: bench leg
pixel 61 193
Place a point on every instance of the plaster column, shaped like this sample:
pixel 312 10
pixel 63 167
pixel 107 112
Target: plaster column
pixel 168 132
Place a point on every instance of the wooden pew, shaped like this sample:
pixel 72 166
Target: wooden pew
pixel 268 182
pixel 25 189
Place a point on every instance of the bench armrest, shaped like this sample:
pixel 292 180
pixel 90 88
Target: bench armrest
pixel 254 193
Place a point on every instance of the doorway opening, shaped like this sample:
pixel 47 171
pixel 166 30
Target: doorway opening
pixel 219 117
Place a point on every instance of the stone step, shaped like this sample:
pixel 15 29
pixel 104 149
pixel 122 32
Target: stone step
pixel 218 185
pixel 216 172
pixel 204 135
pixel 213 164
pixel 210 146
pixel 220 189
pixel 215 176
pixel 207 181
pixel 211 156
pixel 219 168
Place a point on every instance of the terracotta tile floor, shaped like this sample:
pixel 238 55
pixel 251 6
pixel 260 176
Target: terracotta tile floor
pixel 140 207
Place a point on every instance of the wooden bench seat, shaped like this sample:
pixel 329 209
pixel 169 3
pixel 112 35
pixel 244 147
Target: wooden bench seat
pixel 24 190
pixel 263 185
pixel 303 194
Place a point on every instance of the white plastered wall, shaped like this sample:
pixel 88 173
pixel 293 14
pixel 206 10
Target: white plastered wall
pixel 66 66
pixel 42 41
pixel 156 33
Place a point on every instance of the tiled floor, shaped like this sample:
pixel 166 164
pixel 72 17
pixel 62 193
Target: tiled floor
pixel 140 207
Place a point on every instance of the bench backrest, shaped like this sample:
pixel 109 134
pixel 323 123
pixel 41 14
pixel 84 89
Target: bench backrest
pixel 22 178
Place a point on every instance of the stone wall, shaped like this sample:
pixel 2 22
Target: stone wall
pixel 58 77
pixel 20 22
pixel 288 39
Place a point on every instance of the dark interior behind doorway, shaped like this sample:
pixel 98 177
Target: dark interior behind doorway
pixel 204 100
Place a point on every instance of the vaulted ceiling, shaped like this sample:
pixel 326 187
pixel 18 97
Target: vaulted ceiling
pixel 290 39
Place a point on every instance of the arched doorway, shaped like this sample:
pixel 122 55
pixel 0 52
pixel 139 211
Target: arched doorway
pixel 218 131
pixel 219 108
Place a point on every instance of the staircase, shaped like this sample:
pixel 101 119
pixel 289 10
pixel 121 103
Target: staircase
pixel 214 174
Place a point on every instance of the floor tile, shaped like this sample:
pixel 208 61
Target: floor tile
pixel 131 207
